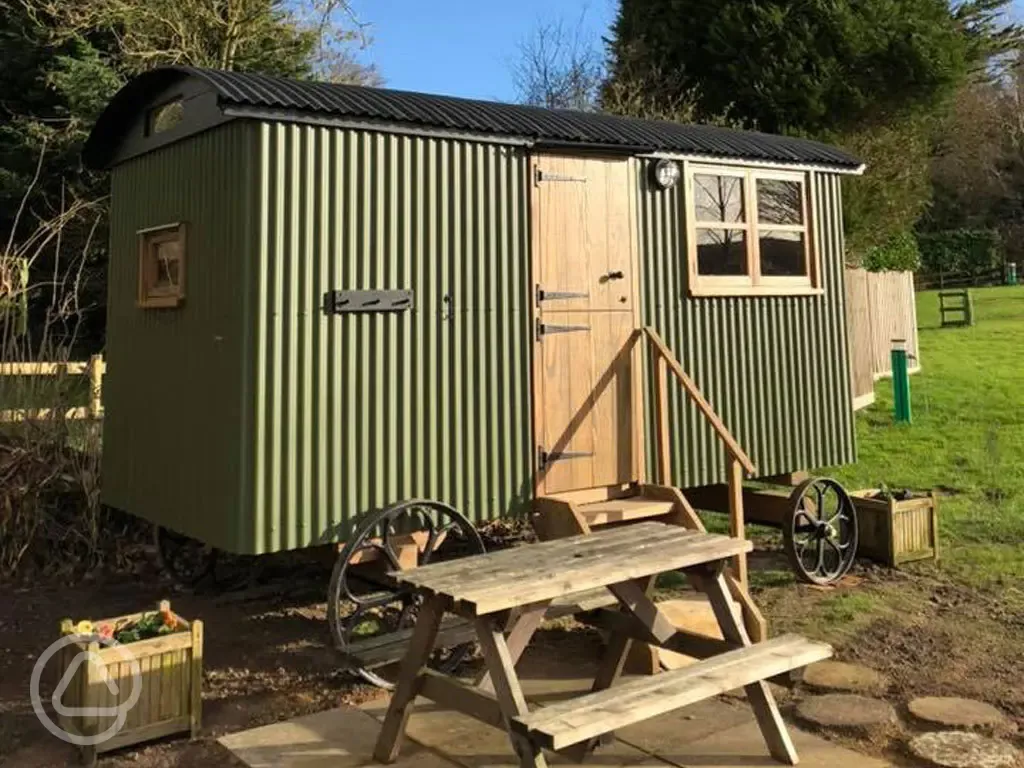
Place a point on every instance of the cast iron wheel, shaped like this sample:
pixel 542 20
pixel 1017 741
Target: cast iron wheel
pixel 193 565
pixel 362 602
pixel 821 532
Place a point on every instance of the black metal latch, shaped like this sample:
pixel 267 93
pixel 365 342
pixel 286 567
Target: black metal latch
pixel 546 457
pixel 338 302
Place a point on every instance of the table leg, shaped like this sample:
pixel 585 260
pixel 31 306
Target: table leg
pixel 633 597
pixel 523 628
pixel 421 645
pixel 770 721
pixel 507 689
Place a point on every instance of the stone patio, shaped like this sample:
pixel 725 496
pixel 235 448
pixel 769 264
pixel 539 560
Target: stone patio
pixel 719 732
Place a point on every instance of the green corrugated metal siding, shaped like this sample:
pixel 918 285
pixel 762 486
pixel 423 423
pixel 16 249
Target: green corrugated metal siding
pixel 353 412
pixel 776 368
pixel 171 393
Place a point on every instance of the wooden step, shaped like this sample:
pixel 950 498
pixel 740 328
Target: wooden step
pixel 577 720
pixel 381 650
pixel 622 510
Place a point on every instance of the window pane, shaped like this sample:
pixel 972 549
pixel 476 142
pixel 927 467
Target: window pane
pixel 721 252
pixel 718 198
pixel 166 116
pixel 780 202
pixel 168 261
pixel 783 254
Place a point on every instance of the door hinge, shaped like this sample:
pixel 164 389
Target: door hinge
pixel 546 457
pixel 543 295
pixel 540 175
pixel 545 329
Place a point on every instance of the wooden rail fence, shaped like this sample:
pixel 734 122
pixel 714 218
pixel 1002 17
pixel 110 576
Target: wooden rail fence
pixel 880 307
pixel 94 368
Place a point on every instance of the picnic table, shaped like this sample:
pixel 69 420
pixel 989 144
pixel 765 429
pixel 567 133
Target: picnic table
pixel 513 589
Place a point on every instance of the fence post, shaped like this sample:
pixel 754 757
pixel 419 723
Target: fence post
pixel 96 370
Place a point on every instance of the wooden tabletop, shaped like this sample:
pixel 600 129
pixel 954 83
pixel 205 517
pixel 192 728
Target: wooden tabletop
pixel 510 578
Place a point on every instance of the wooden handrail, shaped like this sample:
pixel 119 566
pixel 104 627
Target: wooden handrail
pixel 733 447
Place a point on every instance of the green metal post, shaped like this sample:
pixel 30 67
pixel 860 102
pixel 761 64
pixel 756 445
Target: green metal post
pixel 1011 273
pixel 900 382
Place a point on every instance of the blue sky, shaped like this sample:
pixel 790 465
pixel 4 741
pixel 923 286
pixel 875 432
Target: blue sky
pixel 463 47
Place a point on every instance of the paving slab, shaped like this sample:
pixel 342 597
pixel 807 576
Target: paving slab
pixel 472 744
pixel 841 677
pixel 848 712
pixel 743 747
pixel 336 738
pixel 959 749
pixel 671 731
pixel 716 733
pixel 956 713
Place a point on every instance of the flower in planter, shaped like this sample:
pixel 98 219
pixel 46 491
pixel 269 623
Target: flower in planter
pixel 106 631
pixel 84 627
pixel 169 619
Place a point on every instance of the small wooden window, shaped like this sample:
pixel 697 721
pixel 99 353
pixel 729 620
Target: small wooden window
pixel 164 117
pixel 748 232
pixel 162 266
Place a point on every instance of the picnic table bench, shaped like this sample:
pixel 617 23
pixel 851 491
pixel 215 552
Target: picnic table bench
pixel 514 588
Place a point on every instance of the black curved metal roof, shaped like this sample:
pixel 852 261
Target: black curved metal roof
pixel 424 111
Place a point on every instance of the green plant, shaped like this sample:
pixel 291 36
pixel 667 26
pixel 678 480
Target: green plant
pixel 899 253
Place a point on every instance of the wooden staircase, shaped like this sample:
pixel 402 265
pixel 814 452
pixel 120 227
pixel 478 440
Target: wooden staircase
pixel 574 513
pixel 600 513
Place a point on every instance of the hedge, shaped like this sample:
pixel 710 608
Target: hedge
pixel 960 251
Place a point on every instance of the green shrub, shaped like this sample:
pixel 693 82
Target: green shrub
pixel 960 251
pixel 899 253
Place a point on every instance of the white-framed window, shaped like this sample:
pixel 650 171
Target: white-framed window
pixel 749 232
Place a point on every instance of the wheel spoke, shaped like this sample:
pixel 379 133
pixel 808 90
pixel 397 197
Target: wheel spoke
pixel 836 547
pixel 803 513
pixel 385 546
pixel 821 556
pixel 428 552
pixel 840 514
pixel 819 495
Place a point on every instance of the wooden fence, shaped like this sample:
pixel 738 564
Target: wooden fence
pixel 94 368
pixel 879 308
pixel 928 282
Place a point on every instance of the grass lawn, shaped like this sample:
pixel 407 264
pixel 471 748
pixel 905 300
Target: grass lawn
pixel 967 436
pixel 956 627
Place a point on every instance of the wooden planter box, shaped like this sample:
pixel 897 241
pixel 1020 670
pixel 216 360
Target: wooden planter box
pixel 895 532
pixel 171 668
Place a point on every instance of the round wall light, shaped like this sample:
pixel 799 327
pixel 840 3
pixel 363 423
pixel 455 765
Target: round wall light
pixel 666 173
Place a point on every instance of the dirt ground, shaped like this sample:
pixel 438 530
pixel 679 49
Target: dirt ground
pixel 268 654
pixel 267 658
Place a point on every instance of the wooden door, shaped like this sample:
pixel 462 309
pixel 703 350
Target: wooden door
pixel 585 387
